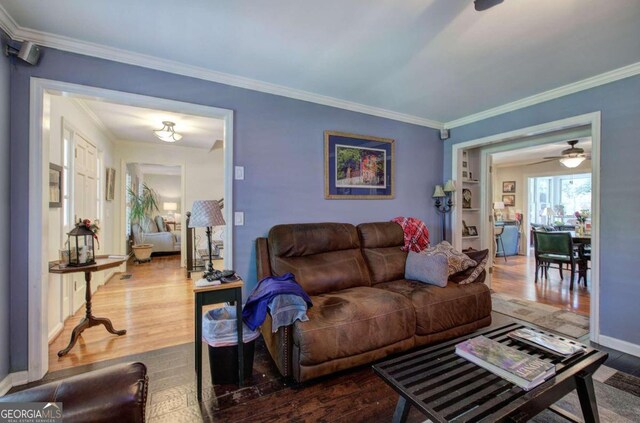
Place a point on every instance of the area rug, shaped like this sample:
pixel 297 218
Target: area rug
pixel 543 315
pixel 617 396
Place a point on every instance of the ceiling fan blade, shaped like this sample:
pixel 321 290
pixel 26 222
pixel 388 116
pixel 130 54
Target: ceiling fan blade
pixel 481 5
pixel 542 161
pixel 217 145
pixel 553 157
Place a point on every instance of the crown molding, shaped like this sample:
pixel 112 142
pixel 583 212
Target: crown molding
pixel 92 115
pixel 585 84
pixel 137 59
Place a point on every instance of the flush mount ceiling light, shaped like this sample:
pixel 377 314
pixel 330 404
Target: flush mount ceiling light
pixel 168 133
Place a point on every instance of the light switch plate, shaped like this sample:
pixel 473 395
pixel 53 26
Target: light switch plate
pixel 239 173
pixel 238 218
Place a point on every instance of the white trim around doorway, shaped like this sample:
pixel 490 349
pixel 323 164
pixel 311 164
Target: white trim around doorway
pixel 593 121
pixel 38 360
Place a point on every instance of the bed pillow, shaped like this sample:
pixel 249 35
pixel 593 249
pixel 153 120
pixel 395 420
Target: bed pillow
pixel 431 269
pixel 458 261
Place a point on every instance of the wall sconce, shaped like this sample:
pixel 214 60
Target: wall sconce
pixel 439 193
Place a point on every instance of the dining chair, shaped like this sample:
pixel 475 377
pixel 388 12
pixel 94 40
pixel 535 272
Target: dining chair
pixel 556 248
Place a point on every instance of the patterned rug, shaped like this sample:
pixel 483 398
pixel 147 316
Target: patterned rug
pixel 617 395
pixel 543 315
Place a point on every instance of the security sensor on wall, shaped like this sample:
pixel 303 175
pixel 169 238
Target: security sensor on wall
pixel 28 52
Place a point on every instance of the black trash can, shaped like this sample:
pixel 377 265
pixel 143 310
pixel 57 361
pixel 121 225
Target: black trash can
pixel 219 330
pixel 223 362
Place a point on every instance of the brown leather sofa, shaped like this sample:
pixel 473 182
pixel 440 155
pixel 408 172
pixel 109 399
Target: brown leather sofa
pixel 363 308
pixel 114 394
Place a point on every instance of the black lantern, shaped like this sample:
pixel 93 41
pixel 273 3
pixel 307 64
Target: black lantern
pixel 81 250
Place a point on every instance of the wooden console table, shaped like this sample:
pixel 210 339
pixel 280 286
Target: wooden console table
pixel 102 263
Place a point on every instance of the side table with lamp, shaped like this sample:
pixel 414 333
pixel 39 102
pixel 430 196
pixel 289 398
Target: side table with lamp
pixel 215 286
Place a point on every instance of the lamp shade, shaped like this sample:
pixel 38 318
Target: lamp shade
pixel 205 213
pixel 438 192
pixel 450 186
pixel 170 206
pixel 498 205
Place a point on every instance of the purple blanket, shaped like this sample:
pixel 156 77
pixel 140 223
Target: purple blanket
pixel 255 310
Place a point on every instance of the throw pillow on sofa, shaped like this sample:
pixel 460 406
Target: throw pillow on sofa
pixel 431 269
pixel 458 261
pixel 471 274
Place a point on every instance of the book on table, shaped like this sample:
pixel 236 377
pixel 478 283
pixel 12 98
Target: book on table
pixel 509 363
pixel 545 342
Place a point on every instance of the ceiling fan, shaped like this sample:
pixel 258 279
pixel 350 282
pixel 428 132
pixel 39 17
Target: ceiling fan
pixel 570 157
pixel 486 4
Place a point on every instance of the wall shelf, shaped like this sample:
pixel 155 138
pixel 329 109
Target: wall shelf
pixel 471 210
pixel 470 182
pixel 471 237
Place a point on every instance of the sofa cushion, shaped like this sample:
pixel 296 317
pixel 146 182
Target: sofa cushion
pixel 162 226
pixel 471 274
pixel 148 225
pixel 457 261
pixel 431 269
pixel 438 309
pixel 382 243
pixel 352 321
pixel 323 257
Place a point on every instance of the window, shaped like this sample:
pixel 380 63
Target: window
pixel 562 194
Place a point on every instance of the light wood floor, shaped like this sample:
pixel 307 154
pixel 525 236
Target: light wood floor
pixel 155 306
pixel 516 277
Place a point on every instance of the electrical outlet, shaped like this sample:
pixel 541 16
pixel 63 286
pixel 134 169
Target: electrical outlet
pixel 238 218
pixel 239 173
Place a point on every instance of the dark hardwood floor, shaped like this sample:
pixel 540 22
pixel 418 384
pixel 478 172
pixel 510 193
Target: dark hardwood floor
pixel 355 395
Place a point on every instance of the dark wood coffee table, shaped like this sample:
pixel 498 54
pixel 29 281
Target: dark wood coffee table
pixel 447 388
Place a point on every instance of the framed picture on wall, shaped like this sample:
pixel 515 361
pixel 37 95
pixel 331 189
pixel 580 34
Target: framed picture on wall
pixel 509 200
pixel 358 166
pixel 111 184
pixel 509 187
pixel 55 186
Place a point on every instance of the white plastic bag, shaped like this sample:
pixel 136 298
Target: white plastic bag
pixel 219 328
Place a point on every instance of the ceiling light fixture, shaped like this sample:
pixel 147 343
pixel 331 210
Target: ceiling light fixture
pixel 572 162
pixel 168 133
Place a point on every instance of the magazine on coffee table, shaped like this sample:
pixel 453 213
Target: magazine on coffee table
pixel 545 342
pixel 509 363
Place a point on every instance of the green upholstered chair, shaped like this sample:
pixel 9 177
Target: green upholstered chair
pixel 556 248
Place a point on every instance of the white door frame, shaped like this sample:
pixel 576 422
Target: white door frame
pixel 39 204
pixel 593 121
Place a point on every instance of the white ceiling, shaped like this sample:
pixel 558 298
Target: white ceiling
pixel 435 59
pixel 537 153
pixel 136 124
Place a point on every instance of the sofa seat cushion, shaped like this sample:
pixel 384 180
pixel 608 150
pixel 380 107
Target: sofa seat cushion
pixel 438 309
pixel 352 321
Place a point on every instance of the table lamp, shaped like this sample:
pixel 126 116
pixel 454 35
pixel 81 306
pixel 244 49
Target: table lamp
pixel 205 214
pixel 498 206
pixel 170 207
pixel 548 212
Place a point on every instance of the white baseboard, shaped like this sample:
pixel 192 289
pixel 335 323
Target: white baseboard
pixel 13 379
pixel 55 331
pixel 5 384
pixel 620 345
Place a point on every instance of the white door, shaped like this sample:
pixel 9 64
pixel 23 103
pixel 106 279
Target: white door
pixel 84 199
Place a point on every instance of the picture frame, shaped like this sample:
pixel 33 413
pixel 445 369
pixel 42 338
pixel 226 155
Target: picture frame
pixel 473 231
pixel 464 164
pixel 358 167
pixel 110 188
pixel 509 200
pixel 465 174
pixel 509 187
pixel 55 185
pixel 466 198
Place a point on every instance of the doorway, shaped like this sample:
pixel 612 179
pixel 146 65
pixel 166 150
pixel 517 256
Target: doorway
pixel 579 126
pixel 40 228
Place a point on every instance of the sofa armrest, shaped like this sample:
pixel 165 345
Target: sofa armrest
pixel 116 393
pixel 279 344
pixel 263 266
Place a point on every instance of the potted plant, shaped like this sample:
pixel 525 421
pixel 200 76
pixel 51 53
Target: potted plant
pixel 141 205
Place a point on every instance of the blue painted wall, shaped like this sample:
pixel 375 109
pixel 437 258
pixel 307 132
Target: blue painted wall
pixel 278 140
pixel 5 70
pixel 619 103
